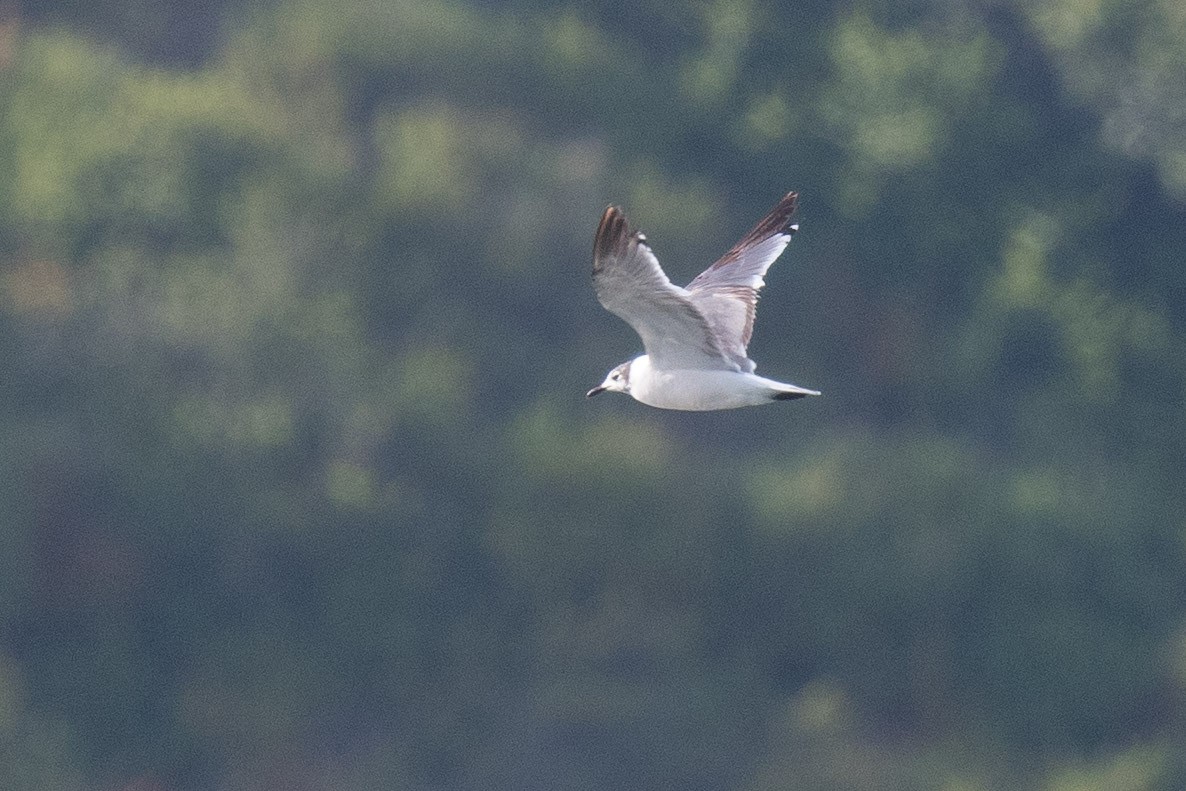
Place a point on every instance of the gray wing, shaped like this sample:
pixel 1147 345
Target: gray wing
pixel 630 284
pixel 726 293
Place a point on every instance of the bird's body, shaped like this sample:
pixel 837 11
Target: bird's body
pixel 695 337
pixel 699 390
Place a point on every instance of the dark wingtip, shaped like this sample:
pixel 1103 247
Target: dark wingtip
pixel 787 396
pixel 609 220
pixel 778 219
pixel 610 233
pixel 614 236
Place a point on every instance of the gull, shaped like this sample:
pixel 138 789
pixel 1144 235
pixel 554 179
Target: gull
pixel 695 337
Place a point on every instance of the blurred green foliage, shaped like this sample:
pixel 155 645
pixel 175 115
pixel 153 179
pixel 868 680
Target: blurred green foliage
pixel 298 488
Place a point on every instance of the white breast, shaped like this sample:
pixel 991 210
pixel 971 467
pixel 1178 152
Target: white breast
pixel 696 390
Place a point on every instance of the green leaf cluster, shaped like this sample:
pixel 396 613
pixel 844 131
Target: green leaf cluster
pixel 298 488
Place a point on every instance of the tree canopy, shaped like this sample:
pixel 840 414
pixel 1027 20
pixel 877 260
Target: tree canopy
pixel 299 489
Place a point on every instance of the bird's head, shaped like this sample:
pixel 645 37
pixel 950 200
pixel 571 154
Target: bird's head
pixel 617 381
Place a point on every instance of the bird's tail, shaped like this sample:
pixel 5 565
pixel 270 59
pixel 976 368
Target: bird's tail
pixel 786 392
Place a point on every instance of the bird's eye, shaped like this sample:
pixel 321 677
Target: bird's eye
pixel 616 377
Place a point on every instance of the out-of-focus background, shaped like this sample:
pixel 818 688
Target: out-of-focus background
pixel 299 488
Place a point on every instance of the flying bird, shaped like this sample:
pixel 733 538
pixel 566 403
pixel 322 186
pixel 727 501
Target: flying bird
pixel 695 337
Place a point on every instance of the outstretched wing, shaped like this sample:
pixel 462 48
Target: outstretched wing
pixel 726 293
pixel 631 284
